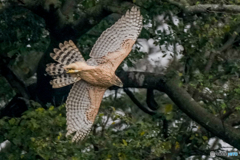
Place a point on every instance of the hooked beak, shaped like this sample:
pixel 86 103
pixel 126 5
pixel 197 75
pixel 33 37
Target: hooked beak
pixel 118 82
pixel 120 85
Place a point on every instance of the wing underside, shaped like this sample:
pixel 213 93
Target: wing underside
pixel 82 106
pixel 112 39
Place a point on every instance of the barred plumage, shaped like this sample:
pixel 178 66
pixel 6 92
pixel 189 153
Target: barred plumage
pixel 67 54
pixel 96 75
pixel 127 27
pixel 82 105
pixel 64 80
pixel 54 69
pixel 77 104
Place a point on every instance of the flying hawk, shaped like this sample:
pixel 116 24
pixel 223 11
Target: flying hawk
pixel 91 78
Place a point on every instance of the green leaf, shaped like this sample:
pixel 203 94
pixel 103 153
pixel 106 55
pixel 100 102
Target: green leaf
pixel 121 156
pixel 168 108
pixel 124 142
pixel 205 138
pixel 169 116
pixel 223 105
pixel 177 145
pixel 12 121
pixel 51 108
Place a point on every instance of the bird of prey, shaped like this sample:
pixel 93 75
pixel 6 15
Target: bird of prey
pixel 91 78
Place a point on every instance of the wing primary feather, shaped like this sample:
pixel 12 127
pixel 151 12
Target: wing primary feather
pixel 79 105
pixel 127 27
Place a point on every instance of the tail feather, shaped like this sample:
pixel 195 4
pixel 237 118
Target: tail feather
pixel 67 54
pixel 54 69
pixel 64 80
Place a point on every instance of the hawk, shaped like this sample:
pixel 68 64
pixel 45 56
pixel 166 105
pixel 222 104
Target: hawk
pixel 91 78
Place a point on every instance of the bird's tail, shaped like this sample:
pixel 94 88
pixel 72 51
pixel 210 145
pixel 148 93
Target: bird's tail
pixel 67 54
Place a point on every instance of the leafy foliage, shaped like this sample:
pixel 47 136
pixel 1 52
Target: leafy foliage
pixel 121 131
pixel 41 133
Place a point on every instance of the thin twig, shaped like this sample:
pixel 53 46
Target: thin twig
pixel 133 98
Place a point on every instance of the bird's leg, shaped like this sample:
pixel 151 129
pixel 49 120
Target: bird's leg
pixel 75 67
pixel 72 68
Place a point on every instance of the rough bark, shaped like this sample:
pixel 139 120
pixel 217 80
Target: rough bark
pixel 184 101
pixel 204 8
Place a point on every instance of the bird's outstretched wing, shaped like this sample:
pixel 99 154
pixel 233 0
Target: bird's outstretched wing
pixel 117 38
pixel 82 106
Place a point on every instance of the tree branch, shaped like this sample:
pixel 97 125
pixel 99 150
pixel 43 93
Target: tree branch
pixel 105 123
pixel 184 101
pixel 213 124
pixel 227 114
pixel 221 49
pixel 152 104
pixel 203 8
pixel 133 98
pixel 234 121
pixel 193 91
pixel 165 129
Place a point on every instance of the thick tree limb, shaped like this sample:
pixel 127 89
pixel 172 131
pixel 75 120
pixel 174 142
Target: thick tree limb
pixel 184 101
pixel 201 8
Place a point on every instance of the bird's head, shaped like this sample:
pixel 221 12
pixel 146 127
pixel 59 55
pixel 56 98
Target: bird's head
pixel 117 81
